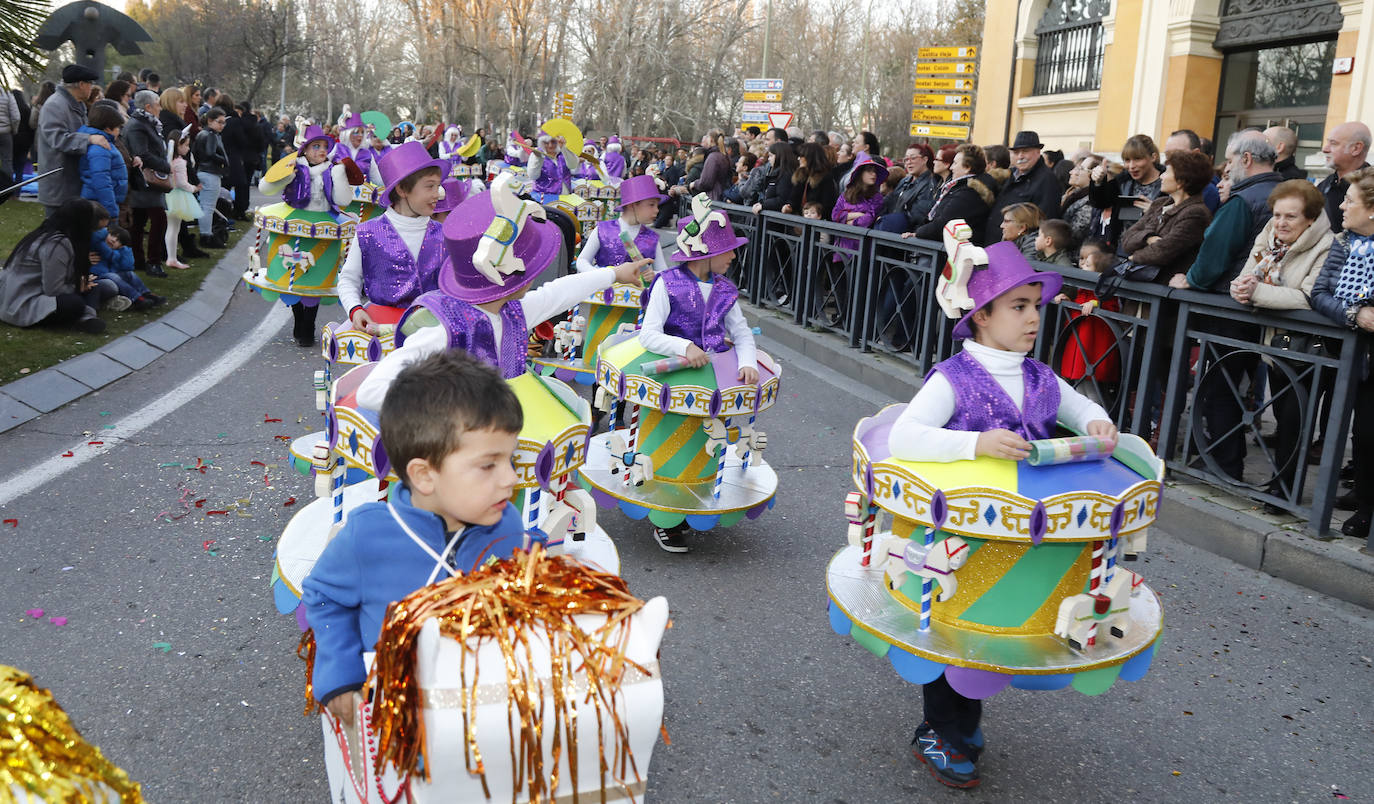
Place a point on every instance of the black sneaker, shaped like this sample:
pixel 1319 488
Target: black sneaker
pixel 1348 502
pixel 155 270
pixel 93 325
pixel 672 540
pixel 142 303
pixel 305 340
pixel 1357 525
pixel 948 766
pixel 209 242
pixel 157 300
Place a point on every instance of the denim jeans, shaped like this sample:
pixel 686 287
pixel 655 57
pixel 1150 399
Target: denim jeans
pixel 128 283
pixel 209 194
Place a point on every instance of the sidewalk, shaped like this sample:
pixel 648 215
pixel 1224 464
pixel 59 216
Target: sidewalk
pixel 53 387
pixel 1202 515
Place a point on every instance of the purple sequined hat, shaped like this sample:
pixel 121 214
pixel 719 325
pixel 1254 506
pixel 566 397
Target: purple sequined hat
pixel 402 161
pixel 639 188
pixel 455 193
pixel 717 236
pixel 535 243
pixel 1006 270
pixel 355 121
pixel 315 133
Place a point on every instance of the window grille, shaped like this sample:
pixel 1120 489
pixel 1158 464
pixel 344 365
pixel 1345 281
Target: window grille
pixel 1070 45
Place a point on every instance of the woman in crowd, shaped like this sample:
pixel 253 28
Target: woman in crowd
pixel 1021 225
pixel 1131 192
pixel 190 114
pixel 144 139
pixel 777 185
pixel 47 278
pixel 812 181
pixel 715 170
pixel 940 165
pixel 1079 213
pixel 743 167
pixel 1283 266
pixel 1167 236
pixel 121 92
pixel 172 111
pixel 964 196
pixel 1341 293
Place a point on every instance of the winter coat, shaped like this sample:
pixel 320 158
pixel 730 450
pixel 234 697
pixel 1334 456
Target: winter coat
pixel 715 175
pixel 818 189
pixel 9 114
pixel 29 287
pixel 1226 243
pixel 1080 215
pixel 237 147
pixel 209 152
pixel 968 199
pixel 142 139
pixel 1026 244
pixel 104 176
pixel 868 213
pixel 1324 299
pixel 1036 186
pixel 1107 196
pixel 1180 228
pixel 1091 343
pixel 112 260
pixel 1297 271
pixel 61 144
pixel 913 197
pixel 1333 187
pixel 777 191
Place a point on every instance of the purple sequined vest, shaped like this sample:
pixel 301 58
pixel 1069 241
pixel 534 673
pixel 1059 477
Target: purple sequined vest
pixel 363 159
pixel 611 250
pixel 390 275
pixel 980 404
pixel 469 329
pixel 552 175
pixel 701 321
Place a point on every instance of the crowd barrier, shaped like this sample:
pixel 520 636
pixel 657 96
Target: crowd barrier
pixel 1194 372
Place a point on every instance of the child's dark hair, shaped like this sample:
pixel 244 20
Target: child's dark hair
pixel 1099 252
pixel 816 205
pixel 408 183
pixel 433 402
pixel 1059 233
pixel 120 233
pixel 104 118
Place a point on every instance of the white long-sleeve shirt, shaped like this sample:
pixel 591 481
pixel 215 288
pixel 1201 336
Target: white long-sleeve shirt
pixel 591 244
pixel 653 338
pixel 539 305
pixel 343 191
pixel 919 434
pixel 412 232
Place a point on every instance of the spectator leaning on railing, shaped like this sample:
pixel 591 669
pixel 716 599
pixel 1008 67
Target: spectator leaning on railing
pixel 1128 195
pixel 777 186
pixel 812 182
pixel 1165 240
pixel 1346 150
pixel 1030 182
pixel 1185 139
pixel 1342 293
pixel 908 205
pixel 967 196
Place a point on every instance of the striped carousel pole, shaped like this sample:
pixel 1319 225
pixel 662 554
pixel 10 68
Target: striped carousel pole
pixel 337 475
pixel 1094 588
pixel 532 506
pixel 870 523
pixel 928 539
pixel 632 443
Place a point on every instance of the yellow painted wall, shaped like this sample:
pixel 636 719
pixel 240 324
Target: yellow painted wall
pixel 1338 105
pixel 1118 77
pixel 1191 95
pixel 994 71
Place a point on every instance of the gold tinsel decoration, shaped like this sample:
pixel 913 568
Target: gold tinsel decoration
pixel 512 602
pixel 42 754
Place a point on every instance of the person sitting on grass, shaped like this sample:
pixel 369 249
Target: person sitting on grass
pixel 110 244
pixel 47 279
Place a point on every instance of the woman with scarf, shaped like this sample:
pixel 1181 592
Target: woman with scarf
pixel 147 146
pixel 964 196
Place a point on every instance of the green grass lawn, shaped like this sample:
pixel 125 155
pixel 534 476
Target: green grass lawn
pixel 24 351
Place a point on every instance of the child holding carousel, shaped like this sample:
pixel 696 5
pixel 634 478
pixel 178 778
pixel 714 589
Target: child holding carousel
pixel 604 245
pixel 989 400
pixel 317 184
pixel 398 255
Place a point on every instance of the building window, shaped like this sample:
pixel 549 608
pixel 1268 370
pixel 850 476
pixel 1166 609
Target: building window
pixel 1070 42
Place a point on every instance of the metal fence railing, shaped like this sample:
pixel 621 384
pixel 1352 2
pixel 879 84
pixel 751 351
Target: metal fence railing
pixel 1196 373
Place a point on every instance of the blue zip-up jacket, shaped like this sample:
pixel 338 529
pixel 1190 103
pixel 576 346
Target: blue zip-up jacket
pixel 104 178
pixel 112 260
pixel 372 563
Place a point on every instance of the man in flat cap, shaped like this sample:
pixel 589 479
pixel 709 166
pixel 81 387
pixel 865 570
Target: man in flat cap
pixel 60 141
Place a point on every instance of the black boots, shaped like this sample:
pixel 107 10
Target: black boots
pixel 303 329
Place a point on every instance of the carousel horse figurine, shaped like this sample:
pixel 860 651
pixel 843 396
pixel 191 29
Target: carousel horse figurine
pixel 638 464
pixel 1080 616
pixel 568 334
pixel 493 257
pixel 702 216
pixel 951 289
pixel 744 438
pixel 938 561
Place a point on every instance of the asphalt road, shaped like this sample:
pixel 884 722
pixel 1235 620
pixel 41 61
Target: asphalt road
pixel 174 661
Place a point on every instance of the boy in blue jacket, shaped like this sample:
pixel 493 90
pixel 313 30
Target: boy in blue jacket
pixel 116 263
pixel 104 178
pixel 450 424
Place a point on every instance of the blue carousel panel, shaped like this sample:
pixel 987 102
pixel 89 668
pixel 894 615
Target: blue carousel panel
pixel 702 522
pixel 839 623
pixel 913 668
pixel 1054 682
pixel 285 600
pixel 633 511
pixel 1108 477
pixel 1138 665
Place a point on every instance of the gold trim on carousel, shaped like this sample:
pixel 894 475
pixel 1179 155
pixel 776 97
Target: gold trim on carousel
pixel 626 296
pixel 708 483
pixel 967 504
pixel 362 339
pixel 975 665
pixel 677 397
pixel 527 453
pixel 293 227
pixel 281 576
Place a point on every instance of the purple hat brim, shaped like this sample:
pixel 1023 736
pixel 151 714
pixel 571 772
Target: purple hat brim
pixel 450 201
pixel 537 246
pixel 623 204
pixel 441 164
pixel 1050 285
pixel 678 256
pixel 883 173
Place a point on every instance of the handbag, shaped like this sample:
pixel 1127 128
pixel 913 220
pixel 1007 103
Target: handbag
pixel 158 182
pixel 1109 282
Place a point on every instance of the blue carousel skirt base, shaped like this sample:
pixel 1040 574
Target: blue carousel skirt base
pixel 565 370
pixel 889 628
pixel 273 294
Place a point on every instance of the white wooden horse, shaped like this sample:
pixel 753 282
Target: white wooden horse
pixel 1110 610
pixel 494 256
pixel 938 562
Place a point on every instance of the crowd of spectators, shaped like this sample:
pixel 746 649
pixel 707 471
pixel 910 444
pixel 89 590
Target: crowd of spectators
pixel 110 162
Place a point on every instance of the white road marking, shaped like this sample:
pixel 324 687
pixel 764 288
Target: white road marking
pixel 25 481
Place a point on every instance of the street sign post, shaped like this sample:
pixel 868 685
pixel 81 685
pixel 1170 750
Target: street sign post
pixel 927 83
pixel 946 67
pixel 943 102
pixel 779 119
pixel 941 132
pixel 941 115
pixel 946 52
pixel 762 99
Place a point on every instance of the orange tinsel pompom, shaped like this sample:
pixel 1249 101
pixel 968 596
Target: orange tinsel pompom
pixel 512 602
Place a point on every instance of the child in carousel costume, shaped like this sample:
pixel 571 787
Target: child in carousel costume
pixel 498 246
pixel 396 257
pixel 970 473
pixel 316 184
pixel 548 170
pixel 604 245
pixel 613 161
pixel 358 142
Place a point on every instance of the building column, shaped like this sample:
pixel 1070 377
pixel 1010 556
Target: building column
pixel 1349 99
pixel 1194 69
pixel 1121 32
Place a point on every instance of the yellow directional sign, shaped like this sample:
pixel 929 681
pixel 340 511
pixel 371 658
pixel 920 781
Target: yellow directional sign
pixel 946 67
pixel 956 84
pixel 943 132
pixel 942 100
pixel 763 96
pixel 567 96
pixel 941 115
pixel 947 53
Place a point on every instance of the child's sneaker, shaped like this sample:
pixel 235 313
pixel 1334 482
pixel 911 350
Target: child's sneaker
pixel 119 303
pixel 154 299
pixel 948 766
pixel 975 744
pixel 142 303
pixel 671 540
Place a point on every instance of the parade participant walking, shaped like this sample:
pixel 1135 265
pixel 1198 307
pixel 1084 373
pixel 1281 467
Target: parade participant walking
pixel 549 171
pixel 355 142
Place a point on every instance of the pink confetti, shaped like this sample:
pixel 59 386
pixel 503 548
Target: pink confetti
pixel 14 523
pixel 206 544
pixel 34 613
pixel 58 620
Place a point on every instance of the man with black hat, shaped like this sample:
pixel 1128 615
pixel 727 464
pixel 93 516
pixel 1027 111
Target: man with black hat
pixel 60 141
pixel 1031 182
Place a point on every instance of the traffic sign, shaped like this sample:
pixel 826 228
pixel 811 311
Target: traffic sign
pixel 942 100
pixel 779 119
pixel 763 96
pixel 941 115
pixel 957 84
pixel 754 118
pixel 947 53
pixel 759 106
pixel 946 67
pixel 943 132
pixel 763 85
